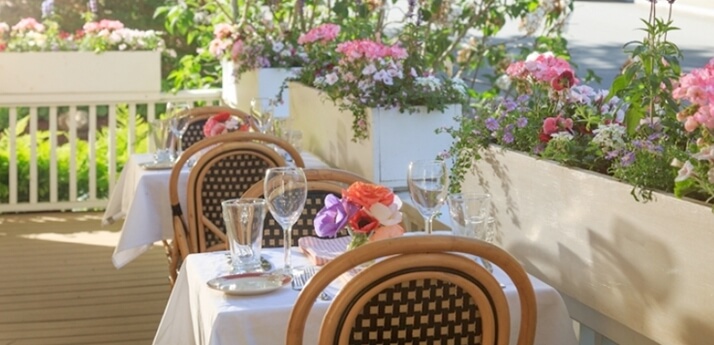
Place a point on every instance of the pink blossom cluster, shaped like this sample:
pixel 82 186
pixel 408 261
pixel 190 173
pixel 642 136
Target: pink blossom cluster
pixel 371 50
pixel 104 24
pixel 697 87
pixel 546 68
pixel 28 24
pixel 324 33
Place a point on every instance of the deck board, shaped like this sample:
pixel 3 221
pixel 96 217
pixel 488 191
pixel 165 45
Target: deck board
pixel 68 292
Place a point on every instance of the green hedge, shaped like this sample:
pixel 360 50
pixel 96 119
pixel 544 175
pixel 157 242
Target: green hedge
pixel 23 145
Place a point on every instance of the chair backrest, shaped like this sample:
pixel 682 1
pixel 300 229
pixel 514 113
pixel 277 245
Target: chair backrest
pixel 197 117
pixel 225 170
pixel 421 290
pixel 320 183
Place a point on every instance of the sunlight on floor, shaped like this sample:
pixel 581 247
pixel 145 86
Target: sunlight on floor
pixel 97 238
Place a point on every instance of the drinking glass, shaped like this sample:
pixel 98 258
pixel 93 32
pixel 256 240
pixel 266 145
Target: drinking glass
pixel 285 189
pixel 471 217
pixel 428 183
pixel 176 111
pixel 161 139
pixel 244 226
pixel 262 109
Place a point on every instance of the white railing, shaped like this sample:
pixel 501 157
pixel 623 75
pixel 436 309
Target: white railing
pixel 72 104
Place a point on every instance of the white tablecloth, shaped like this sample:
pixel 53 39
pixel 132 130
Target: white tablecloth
pixel 141 197
pixel 197 314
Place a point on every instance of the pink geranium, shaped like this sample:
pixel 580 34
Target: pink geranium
pixel 371 50
pixel 324 33
pixel 697 87
pixel 28 24
pixel 546 68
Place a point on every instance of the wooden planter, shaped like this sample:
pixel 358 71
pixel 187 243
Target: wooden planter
pixel 394 140
pixel 645 265
pixel 262 83
pixel 47 73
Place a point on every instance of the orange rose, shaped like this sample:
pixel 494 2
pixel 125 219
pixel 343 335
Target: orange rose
pixel 362 222
pixel 367 194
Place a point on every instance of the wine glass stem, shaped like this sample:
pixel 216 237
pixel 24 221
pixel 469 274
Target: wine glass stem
pixel 287 244
pixel 427 224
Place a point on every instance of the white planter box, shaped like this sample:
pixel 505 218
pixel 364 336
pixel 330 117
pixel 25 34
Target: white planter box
pixel 645 265
pixel 262 83
pixel 394 140
pixel 45 73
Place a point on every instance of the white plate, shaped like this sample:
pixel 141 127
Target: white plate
pixel 156 166
pixel 249 283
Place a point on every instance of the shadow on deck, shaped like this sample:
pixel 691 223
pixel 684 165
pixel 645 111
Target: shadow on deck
pixel 58 285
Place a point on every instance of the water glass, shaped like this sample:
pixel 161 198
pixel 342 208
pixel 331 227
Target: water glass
pixel 262 110
pixel 471 217
pixel 285 189
pixel 160 133
pixel 244 220
pixel 176 112
pixel 428 183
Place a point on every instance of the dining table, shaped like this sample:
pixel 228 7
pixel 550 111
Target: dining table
pixel 141 198
pixel 198 314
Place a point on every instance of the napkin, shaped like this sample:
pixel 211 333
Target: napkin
pixel 322 250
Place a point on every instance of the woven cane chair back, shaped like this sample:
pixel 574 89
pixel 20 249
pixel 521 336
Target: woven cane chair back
pixel 224 172
pixel 421 290
pixel 320 183
pixel 197 117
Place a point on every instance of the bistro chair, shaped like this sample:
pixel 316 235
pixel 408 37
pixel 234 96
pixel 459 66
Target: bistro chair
pixel 228 166
pixel 320 183
pixel 421 290
pixel 196 118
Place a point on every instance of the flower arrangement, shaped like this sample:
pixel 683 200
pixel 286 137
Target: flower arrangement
pixel 696 174
pixel 370 212
pixel 633 132
pixel 366 73
pixel 223 123
pixel 30 35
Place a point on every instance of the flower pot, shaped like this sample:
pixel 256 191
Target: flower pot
pixel 262 83
pixel 641 264
pixel 113 72
pixel 394 140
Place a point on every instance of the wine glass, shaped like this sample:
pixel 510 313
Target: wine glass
pixel 285 189
pixel 262 109
pixel 175 112
pixel 428 183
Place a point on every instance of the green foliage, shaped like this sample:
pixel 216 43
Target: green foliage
pixel 63 155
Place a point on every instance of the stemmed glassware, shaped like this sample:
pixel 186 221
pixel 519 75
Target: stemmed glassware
pixel 471 217
pixel 428 183
pixel 175 112
pixel 262 109
pixel 285 189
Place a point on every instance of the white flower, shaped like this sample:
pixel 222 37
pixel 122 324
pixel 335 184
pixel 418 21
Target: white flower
pixel 431 82
pixel 331 78
pixel 705 153
pixel 369 69
pixel 387 215
pixel 503 82
pixel 278 46
pixel 320 81
pixel 532 21
pixel 686 172
pixel 562 136
pixel 610 136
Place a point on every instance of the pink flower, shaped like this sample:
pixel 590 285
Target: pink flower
pixel 690 125
pixel 685 172
pixel 556 124
pixel 222 30
pixel 28 24
pixel 324 33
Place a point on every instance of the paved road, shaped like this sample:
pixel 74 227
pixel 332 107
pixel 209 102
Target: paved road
pixel 598 30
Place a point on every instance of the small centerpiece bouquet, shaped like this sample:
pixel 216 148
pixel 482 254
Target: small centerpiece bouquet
pixel 222 123
pixel 369 212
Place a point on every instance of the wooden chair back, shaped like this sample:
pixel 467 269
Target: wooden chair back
pixel 421 290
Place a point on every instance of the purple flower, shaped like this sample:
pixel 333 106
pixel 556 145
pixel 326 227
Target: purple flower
pixel 521 122
pixel 333 216
pixel 508 137
pixel 491 124
pixel 627 159
pixel 48 7
pixel 92 4
pixel 612 155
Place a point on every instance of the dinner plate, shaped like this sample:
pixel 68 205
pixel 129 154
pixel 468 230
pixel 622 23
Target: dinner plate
pixel 246 284
pixel 157 166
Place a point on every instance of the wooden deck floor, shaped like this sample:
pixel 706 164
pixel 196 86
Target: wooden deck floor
pixel 58 285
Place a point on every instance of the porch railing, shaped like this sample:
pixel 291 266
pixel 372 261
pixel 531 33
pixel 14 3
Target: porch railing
pixel 28 108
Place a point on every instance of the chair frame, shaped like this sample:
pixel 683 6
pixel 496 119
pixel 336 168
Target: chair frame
pixel 418 257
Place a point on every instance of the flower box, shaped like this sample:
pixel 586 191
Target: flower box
pixel 262 83
pixel 43 73
pixel 641 264
pixel 394 140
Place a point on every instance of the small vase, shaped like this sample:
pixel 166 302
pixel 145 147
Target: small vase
pixel 358 239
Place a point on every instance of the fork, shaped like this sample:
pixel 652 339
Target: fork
pixel 300 280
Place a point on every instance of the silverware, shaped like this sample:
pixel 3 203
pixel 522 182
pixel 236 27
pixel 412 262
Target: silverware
pixel 300 280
